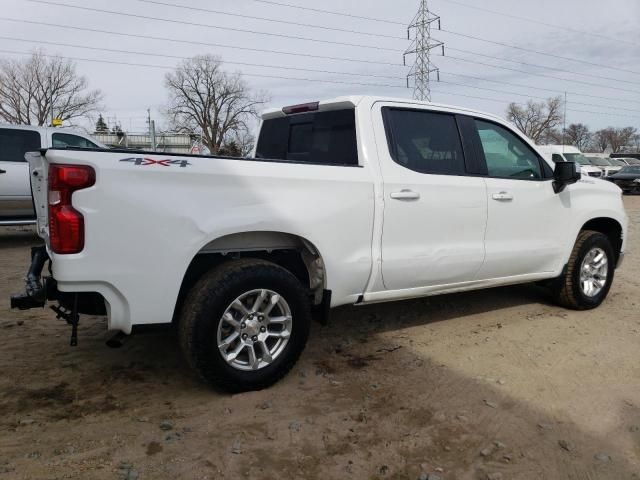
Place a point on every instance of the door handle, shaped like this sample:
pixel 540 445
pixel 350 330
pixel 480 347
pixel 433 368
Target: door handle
pixel 405 195
pixel 2 171
pixel 502 197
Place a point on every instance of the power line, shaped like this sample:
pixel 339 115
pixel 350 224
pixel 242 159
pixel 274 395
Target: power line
pixel 538 22
pixel 289 53
pixel 266 19
pixel 279 52
pixel 537 52
pixel 179 57
pixel 133 52
pixel 171 67
pixel 466 85
pixel 193 42
pixel 590 75
pixel 329 12
pixel 552 90
pixel 160 55
pixel 313 80
pixel 333 12
pixel 48 2
pixel 542 75
pixel 568 110
pixel 205 25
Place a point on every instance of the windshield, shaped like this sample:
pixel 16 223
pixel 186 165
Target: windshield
pixel 600 162
pixel 632 161
pixel 577 157
pixel 617 163
pixel 633 170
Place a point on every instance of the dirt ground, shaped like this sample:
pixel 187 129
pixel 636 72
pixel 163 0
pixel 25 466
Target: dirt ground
pixel 496 384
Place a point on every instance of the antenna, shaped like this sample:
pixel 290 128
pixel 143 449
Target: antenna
pixel 421 46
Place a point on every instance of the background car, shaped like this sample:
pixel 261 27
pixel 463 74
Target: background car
pixel 569 153
pixel 628 160
pixel 16 206
pixel 628 179
pixel 607 165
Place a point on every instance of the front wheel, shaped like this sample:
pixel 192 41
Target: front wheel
pixel 589 273
pixel 244 324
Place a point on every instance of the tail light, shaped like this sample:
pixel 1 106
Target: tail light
pixel 66 224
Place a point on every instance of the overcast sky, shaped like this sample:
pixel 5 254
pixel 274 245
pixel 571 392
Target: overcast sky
pixel 129 90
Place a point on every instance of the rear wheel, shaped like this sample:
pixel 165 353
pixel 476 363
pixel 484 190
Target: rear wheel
pixel 589 273
pixel 244 324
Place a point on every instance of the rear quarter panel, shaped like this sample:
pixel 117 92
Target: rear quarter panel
pixel 145 223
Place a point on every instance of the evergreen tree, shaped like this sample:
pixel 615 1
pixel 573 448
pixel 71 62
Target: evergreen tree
pixel 101 125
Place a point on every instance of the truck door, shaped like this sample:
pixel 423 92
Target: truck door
pixel 15 187
pixel 435 203
pixel 526 227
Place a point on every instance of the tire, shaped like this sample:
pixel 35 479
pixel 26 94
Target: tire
pixel 569 290
pixel 201 324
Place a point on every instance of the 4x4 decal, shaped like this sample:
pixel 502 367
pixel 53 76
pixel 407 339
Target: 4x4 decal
pixel 144 161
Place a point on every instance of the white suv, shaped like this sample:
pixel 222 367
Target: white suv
pixel 16 206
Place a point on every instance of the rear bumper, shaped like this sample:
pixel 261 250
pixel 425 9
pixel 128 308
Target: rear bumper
pixel 620 260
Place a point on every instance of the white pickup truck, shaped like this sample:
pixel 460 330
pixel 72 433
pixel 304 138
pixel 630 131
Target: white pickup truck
pixel 354 200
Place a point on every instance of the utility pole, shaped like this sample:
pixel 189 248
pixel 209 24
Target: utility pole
pixel 421 46
pixel 51 98
pixel 152 130
pixel 564 122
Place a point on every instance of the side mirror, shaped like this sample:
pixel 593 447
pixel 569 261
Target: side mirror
pixel 565 173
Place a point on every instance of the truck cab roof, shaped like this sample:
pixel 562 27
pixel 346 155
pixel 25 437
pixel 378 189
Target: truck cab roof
pixel 353 101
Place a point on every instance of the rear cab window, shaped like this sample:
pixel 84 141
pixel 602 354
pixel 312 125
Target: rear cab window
pixel 63 140
pixel 14 143
pixel 324 138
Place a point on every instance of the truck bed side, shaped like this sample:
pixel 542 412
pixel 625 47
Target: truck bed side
pixel 149 215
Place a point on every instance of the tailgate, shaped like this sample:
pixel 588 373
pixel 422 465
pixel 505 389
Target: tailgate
pixel 38 171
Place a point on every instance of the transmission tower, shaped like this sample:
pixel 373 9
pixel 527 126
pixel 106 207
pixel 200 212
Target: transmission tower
pixel 421 46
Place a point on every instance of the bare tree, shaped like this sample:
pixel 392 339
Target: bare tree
pixel 620 137
pixel 578 135
pixel 30 89
pixel 203 97
pixel 536 120
pixel 636 142
pixel 600 140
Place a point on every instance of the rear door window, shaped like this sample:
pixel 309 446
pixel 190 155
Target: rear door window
pixel 318 137
pixel 62 140
pixel 15 143
pixel 424 141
